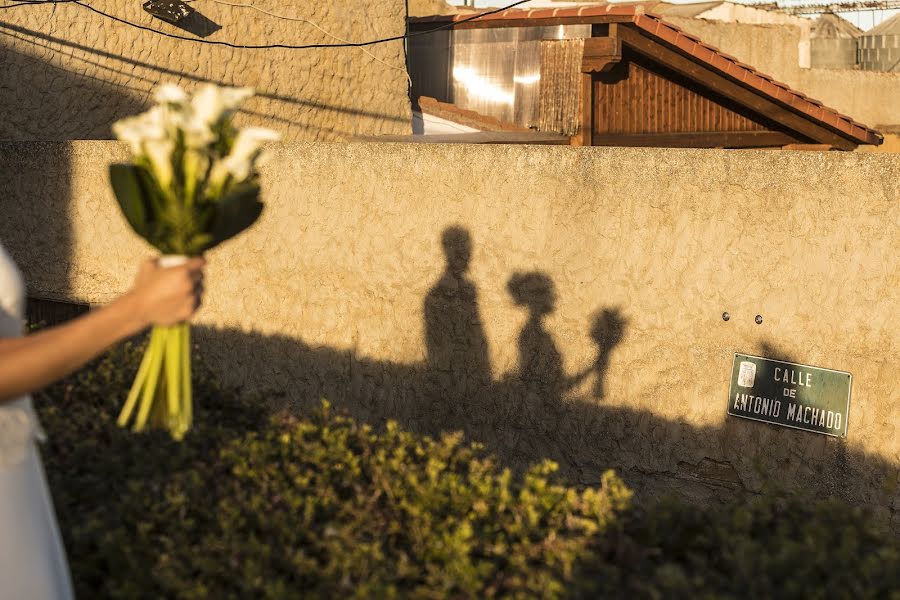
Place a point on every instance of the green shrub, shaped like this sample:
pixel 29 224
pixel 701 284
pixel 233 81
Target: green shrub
pixel 762 548
pixel 250 506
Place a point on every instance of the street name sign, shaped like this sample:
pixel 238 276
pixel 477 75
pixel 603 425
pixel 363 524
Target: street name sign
pixel 790 394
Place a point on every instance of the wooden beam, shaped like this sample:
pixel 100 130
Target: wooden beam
pixel 587 109
pixel 706 77
pixel 479 137
pixel 525 22
pixel 809 147
pixel 601 53
pixel 716 139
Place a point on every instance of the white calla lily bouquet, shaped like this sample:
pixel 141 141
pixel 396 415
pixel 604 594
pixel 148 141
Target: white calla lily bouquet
pixel 192 185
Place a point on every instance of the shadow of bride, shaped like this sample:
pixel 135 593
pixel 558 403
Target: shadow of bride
pixel 534 393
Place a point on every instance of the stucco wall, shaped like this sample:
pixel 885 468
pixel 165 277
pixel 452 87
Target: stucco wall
pixel 343 290
pixel 737 13
pixel 740 13
pixel 67 73
pixel 772 49
pixel 891 144
pixel 867 96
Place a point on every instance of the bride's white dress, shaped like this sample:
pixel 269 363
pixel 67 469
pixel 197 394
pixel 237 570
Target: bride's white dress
pixel 32 559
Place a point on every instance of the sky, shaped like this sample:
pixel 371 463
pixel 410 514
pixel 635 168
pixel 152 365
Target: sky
pixel 865 20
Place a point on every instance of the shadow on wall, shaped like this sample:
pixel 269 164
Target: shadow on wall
pixel 654 455
pixel 53 103
pixel 53 106
pixel 37 230
pixel 198 24
pixel 532 415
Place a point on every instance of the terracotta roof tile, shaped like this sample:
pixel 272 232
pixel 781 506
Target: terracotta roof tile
pixel 705 54
pixel 648 21
pixel 720 62
pixel 542 14
pixel 755 80
pixel 782 95
pixel 685 43
pixel 734 70
pixel 655 26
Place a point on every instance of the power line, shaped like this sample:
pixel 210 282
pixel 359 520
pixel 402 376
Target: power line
pixel 33 2
pixel 321 29
pixel 265 46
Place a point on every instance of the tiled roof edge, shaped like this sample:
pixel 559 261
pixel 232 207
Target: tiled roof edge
pixel 627 10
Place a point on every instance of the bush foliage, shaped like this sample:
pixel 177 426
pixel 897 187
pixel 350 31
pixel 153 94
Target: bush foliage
pixel 250 506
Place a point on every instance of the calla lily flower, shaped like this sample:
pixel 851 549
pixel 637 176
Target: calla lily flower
pixel 170 93
pixel 212 103
pixel 205 192
pixel 159 155
pixel 136 130
pixel 244 153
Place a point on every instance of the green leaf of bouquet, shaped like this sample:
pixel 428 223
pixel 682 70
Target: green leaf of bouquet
pixel 126 183
pixel 198 243
pixel 235 212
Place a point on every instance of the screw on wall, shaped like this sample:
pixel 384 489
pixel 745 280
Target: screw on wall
pixel 725 316
pixel 759 319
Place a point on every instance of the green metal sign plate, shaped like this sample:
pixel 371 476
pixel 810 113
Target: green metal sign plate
pixel 790 394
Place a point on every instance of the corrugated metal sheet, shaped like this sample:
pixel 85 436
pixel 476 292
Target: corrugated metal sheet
pixel 879 48
pixel 497 72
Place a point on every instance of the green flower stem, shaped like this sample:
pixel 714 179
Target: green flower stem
pixel 158 351
pixel 138 386
pixel 186 387
pixel 162 390
pixel 158 412
pixel 172 383
pixel 191 166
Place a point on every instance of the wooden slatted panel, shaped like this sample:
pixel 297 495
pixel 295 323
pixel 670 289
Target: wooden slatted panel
pixel 633 98
pixel 560 89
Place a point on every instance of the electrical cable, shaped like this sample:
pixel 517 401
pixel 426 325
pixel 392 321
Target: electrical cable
pixel 313 24
pixel 268 46
pixel 33 2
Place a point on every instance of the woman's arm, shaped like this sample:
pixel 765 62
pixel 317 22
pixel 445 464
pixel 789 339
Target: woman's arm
pixel 160 296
